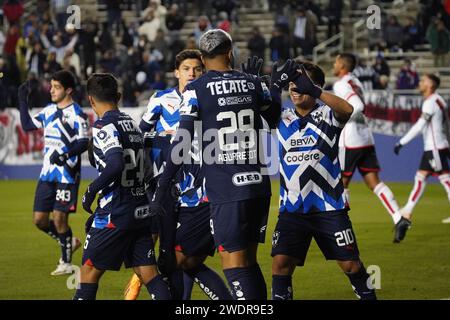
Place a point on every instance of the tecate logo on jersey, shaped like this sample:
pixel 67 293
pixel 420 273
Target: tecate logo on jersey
pixel 229 87
pixel 246 178
pixel 142 212
pixel 299 157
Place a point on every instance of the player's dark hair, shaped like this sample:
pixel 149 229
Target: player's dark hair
pixel 349 60
pixel 187 54
pixel 104 88
pixel 314 72
pixel 221 49
pixel 66 78
pixel 436 80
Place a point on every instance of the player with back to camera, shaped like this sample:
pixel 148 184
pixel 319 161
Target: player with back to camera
pixel 65 139
pixel 229 104
pixel 120 230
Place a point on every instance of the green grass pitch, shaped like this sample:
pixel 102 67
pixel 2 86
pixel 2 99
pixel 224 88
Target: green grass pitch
pixel 418 268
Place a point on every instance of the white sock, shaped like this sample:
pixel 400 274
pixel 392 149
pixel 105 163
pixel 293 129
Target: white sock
pixel 445 181
pixel 387 199
pixel 416 193
pixel 347 197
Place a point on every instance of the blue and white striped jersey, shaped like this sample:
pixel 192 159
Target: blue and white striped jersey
pixel 163 110
pixel 310 173
pixel 62 129
pixel 163 113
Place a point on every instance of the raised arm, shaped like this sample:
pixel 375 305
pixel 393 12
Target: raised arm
pixel 28 123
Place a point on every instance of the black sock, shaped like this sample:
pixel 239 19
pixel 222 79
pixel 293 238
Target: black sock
pixel 282 287
pixel 188 283
pixel 360 283
pixel 176 285
pixel 65 240
pixel 51 230
pixel 244 284
pixel 158 289
pixel 261 281
pixel 87 291
pixel 210 282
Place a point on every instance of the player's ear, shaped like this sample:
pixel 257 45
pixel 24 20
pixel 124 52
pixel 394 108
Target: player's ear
pixel 119 96
pixel 69 91
pixel 91 101
pixel 177 74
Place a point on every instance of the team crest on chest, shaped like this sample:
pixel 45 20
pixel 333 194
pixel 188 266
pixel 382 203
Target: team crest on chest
pixel 317 116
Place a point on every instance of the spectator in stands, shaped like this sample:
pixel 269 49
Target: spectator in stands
pixel 257 44
pixel 105 39
pixel 393 34
pixel 73 60
pixel 407 78
pixel 174 19
pixel 150 26
pixel 334 13
pixel 365 74
pixel 109 62
pixel 12 37
pixel 303 25
pixel 223 22
pixel 438 37
pixel 58 45
pixel 31 26
pixel 279 46
pixel 13 10
pixel 228 6
pixel 51 66
pixel 88 36
pixel 129 34
pixel 59 7
pixel 114 13
pixel 162 46
pixel 36 60
pixel 159 12
pixel 203 25
pixel 381 67
pixel 191 43
pixel 159 82
pixel 411 34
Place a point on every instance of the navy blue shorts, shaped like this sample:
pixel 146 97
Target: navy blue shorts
pixel 236 224
pixel 107 249
pixel 332 231
pixel 154 225
pixel 194 236
pixel 52 196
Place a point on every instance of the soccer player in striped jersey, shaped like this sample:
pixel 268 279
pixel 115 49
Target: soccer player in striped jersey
pixel 65 139
pixel 357 146
pixel 312 199
pixel 433 125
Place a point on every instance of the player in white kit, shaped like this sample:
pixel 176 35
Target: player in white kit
pixel 356 144
pixel 433 124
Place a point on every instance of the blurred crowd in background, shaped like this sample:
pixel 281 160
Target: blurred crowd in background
pixel 36 43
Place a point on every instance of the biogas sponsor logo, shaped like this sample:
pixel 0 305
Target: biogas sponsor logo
pixel 236 100
pixel 246 178
pixel 299 157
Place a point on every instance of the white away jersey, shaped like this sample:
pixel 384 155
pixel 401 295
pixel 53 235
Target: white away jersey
pixel 356 133
pixel 62 129
pixel 434 135
pixel 310 174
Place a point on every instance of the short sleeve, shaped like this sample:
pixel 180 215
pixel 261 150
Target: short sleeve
pixel 189 106
pixel 154 110
pixel 343 90
pixel 107 139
